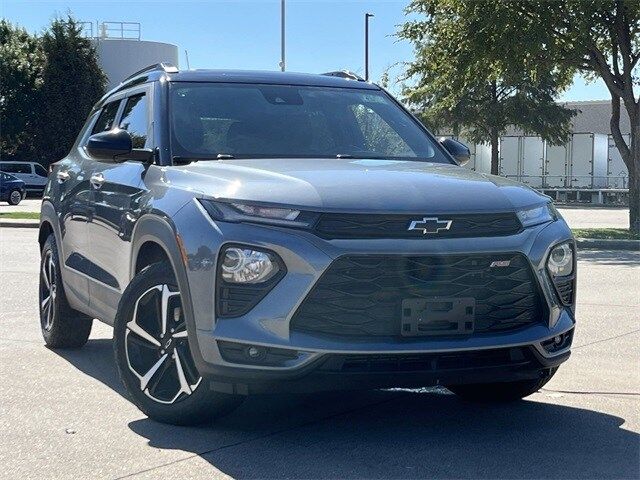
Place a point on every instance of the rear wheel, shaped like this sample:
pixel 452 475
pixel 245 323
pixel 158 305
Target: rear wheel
pixel 501 392
pixel 15 197
pixel 61 325
pixel 153 355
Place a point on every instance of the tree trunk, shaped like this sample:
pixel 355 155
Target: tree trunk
pixel 634 180
pixel 495 154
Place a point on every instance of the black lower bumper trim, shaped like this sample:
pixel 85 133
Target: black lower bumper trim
pixel 353 372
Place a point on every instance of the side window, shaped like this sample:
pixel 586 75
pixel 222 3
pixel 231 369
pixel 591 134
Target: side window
pixel 106 118
pixel 40 170
pixel 9 167
pixel 134 119
pixel 21 168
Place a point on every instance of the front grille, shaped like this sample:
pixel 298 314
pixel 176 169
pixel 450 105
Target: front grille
pixel 428 362
pixel 361 295
pixel 345 226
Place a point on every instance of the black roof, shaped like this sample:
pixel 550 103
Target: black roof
pixel 172 74
pixel 267 77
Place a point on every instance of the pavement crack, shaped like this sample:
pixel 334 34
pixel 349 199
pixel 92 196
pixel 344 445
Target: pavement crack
pixel 259 437
pixel 606 339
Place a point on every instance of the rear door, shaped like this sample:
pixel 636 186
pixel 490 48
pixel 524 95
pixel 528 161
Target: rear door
pixel 117 190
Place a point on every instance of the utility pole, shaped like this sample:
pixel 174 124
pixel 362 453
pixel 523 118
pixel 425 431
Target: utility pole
pixel 282 15
pixel 366 44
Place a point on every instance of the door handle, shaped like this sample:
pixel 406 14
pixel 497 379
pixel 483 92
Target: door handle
pixel 97 180
pixel 62 176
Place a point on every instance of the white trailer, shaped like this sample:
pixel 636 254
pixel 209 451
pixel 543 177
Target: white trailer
pixel 510 157
pixel 532 161
pixel 589 160
pixel 556 164
pixel 617 172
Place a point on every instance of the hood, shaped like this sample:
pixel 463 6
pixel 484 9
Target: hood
pixel 382 186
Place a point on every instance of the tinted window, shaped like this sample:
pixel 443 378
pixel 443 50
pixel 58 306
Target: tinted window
pixel 106 118
pixel 293 121
pixel 15 167
pixel 40 170
pixel 134 120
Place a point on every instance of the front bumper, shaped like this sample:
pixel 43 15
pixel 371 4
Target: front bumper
pixel 306 257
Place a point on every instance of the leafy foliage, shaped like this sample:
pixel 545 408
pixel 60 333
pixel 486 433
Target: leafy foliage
pixel 21 61
pixel 49 84
pixel 72 83
pixel 467 76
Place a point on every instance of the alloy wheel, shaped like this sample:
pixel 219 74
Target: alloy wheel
pixel 157 347
pixel 48 291
pixel 15 197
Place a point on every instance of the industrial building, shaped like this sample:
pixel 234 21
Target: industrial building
pixel 587 168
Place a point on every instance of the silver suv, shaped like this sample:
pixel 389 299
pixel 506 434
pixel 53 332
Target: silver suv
pixel 250 232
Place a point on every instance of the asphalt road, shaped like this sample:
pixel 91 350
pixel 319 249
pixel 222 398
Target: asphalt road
pixel 63 414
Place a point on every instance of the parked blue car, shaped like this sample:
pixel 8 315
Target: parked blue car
pixel 12 189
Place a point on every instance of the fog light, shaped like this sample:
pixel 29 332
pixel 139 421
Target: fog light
pixel 244 265
pixel 253 352
pixel 560 262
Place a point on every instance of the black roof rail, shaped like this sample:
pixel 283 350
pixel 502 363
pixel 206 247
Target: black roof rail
pixel 344 74
pixel 162 67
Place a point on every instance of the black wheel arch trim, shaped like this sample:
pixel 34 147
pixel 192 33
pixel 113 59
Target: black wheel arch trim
pixel 153 228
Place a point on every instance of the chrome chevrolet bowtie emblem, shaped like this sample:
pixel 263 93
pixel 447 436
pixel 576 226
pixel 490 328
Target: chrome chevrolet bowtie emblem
pixel 430 225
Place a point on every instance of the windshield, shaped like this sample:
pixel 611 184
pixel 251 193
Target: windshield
pixel 233 120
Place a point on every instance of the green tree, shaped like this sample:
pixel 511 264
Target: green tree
pixel 21 61
pixel 479 88
pixel 600 39
pixel 72 83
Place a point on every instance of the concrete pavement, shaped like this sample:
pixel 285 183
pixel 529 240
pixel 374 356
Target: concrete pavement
pixel 63 414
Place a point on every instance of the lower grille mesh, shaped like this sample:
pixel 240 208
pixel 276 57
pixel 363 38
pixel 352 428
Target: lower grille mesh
pixel 361 295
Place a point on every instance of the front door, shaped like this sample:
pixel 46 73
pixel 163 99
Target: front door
pixel 117 192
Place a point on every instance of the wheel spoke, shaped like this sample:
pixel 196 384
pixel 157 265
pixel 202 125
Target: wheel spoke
pixel 45 302
pixel 184 385
pixel 147 376
pixel 182 334
pixel 164 309
pixel 138 330
pixel 45 275
pixel 51 270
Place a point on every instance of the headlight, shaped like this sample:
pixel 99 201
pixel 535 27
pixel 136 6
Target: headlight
pixel 230 211
pixel 560 261
pixel 537 215
pixel 245 265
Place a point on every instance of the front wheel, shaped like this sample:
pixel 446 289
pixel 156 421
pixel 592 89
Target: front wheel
pixel 503 391
pixel 153 355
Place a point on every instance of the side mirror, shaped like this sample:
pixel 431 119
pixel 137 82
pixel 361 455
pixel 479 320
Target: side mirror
pixel 116 146
pixel 458 150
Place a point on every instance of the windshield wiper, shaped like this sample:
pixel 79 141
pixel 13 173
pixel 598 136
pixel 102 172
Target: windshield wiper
pixel 184 160
pixel 344 155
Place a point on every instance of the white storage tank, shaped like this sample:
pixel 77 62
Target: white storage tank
pixel 120 58
pixel 617 172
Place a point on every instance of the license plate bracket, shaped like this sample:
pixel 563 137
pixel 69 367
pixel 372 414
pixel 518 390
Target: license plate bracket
pixel 437 316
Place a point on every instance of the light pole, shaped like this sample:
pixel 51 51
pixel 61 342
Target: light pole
pixel 282 12
pixel 366 44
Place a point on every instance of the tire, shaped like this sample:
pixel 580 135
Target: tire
pixel 153 357
pixel 61 325
pixel 501 392
pixel 15 197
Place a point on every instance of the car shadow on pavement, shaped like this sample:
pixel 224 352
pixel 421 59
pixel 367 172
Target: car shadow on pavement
pixel 425 433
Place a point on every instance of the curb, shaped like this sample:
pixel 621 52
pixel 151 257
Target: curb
pixel 17 223
pixel 605 244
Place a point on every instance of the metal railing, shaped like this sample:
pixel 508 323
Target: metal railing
pixel 111 30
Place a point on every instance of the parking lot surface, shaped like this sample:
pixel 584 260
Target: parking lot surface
pixel 63 414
